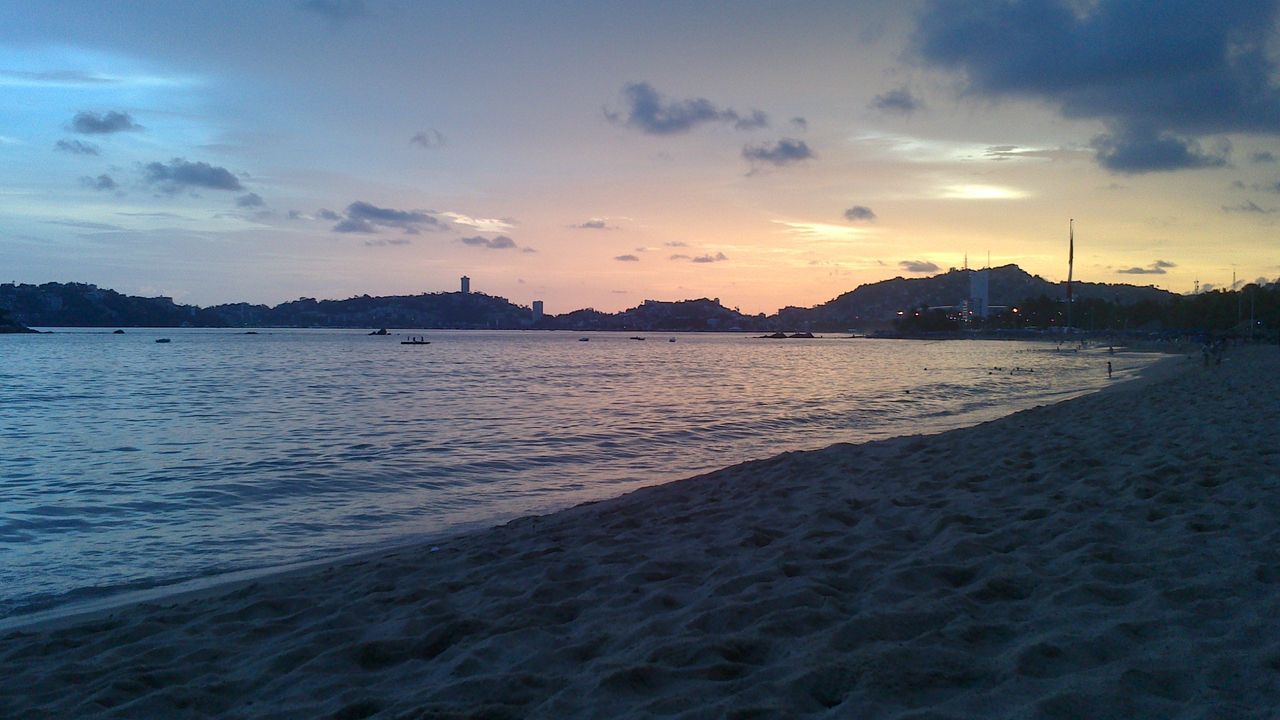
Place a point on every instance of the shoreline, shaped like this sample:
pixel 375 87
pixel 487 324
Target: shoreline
pixel 61 614
pixel 1112 555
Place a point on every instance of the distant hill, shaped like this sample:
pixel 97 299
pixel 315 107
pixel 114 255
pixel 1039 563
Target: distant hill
pixel 870 306
pixel 876 304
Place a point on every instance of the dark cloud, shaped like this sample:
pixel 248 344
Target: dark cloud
pixel 1161 76
pixel 800 124
pixel 429 138
pixel 752 121
pixel 1248 206
pixel 336 9
pixel 102 182
pixel 859 213
pixel 362 217
pixel 75 147
pixel 649 112
pixel 327 214
pixel 1156 268
pixel 250 200
pixel 179 175
pixel 679 256
pixel 1263 157
pixel 90 123
pixel 918 266
pixel 626 258
pixel 718 257
pixel 1141 149
pixel 897 101
pixel 501 242
pixel 386 242
pixel 295 215
pixel 783 152
pixel 592 224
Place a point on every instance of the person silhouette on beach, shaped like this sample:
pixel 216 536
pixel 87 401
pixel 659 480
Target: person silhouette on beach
pixel 1108 369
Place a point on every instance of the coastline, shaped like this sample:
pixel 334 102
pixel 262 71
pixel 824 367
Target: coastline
pixel 1058 561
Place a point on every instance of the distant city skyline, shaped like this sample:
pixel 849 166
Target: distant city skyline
pixel 767 154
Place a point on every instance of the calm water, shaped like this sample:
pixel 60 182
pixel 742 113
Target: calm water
pixel 125 463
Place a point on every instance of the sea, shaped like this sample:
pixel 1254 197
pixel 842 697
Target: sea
pixel 128 464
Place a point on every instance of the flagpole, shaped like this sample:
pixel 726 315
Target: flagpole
pixel 1071 259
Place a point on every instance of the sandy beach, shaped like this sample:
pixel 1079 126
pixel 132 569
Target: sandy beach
pixel 1113 556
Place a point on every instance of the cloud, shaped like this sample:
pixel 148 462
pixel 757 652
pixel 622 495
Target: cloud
pixel 800 124
pixel 89 123
pixel 680 256
pixel 626 258
pixel 363 217
pixel 1248 206
pixel 647 111
pixel 676 243
pixel 102 182
pixel 783 152
pixel 250 200
pixel 337 10
pixel 1160 77
pixel 592 224
pixel 429 138
pixel 918 266
pixel 1158 267
pixel 75 147
pixel 179 174
pixel 897 101
pixel 718 257
pixel 327 214
pixel 1136 150
pixel 295 215
pixel 859 213
pixel 501 242
pixel 386 242
pixel 1263 157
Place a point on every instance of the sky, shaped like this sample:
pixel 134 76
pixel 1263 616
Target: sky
pixel 597 154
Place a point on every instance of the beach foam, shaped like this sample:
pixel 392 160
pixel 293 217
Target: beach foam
pixel 1117 555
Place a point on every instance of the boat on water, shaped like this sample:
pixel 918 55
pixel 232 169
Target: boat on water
pixel 163 340
pixel 584 339
pixel 635 337
pixel 416 340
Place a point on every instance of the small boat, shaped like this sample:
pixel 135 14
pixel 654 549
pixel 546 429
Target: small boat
pixel 635 337
pixel 584 339
pixel 416 340
pixel 163 340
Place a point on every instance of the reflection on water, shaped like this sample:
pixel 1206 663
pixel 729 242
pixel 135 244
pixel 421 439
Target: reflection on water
pixel 124 462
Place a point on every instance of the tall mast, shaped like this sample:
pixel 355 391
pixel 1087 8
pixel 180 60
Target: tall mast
pixel 1071 260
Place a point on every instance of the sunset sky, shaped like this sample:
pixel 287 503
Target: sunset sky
pixel 599 153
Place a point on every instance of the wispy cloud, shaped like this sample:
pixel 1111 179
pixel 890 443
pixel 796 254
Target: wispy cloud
pixel 491 225
pixel 76 147
pixel 250 200
pixel 1248 206
pixel 428 139
pixel 501 242
pixel 102 182
pixel 593 224
pixel 626 258
pixel 899 101
pixel 718 257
